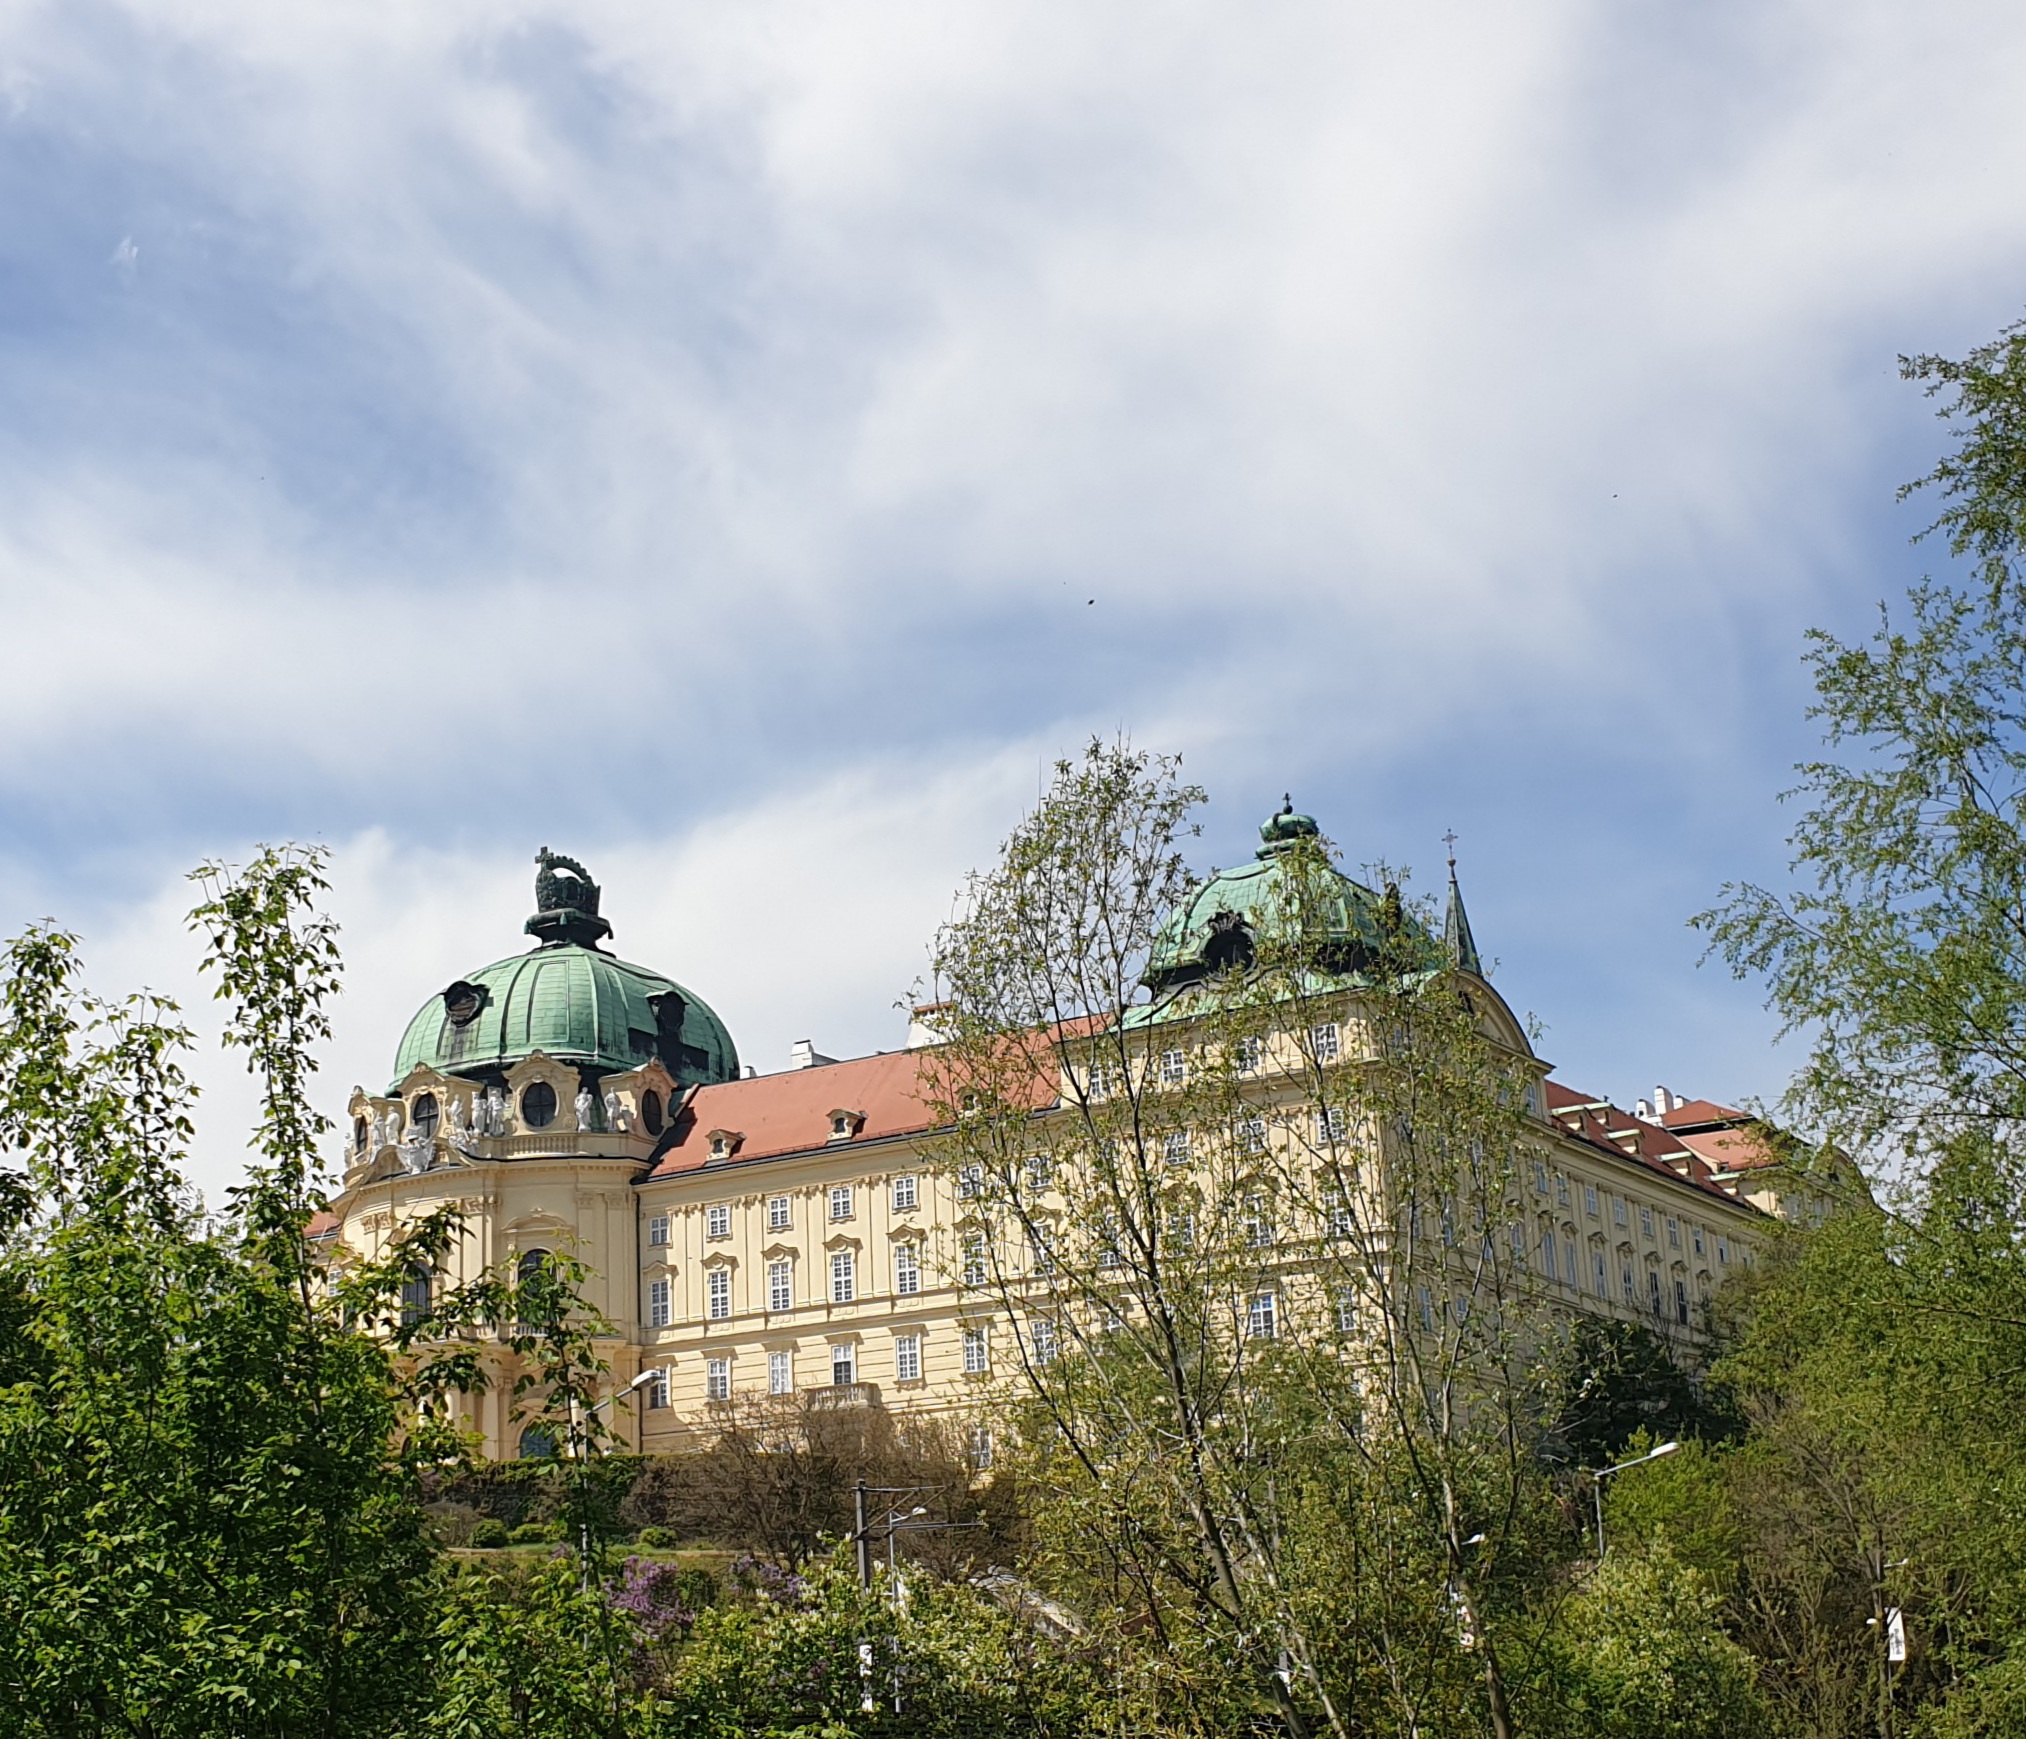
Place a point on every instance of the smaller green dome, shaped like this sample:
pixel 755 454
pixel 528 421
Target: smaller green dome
pixel 1218 927
pixel 568 999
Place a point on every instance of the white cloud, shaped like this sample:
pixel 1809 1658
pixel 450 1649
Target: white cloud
pixel 572 419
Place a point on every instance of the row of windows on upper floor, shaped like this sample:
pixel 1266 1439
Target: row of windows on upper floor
pixel 1323 1043
pixel 841 1199
pixel 1621 1209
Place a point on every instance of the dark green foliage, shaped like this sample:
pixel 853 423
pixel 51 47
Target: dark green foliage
pixel 1622 1381
pixel 491 1532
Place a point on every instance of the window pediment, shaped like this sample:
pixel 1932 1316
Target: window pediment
pixel 779 1252
pixel 840 1241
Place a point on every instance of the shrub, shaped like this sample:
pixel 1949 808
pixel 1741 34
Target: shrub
pixel 656 1539
pixel 490 1532
pixel 537 1533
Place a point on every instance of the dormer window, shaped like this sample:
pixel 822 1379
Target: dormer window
pixel 724 1142
pixel 845 1124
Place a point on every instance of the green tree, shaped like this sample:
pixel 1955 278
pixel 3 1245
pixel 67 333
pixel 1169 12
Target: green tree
pixel 1641 1653
pixel 1251 1243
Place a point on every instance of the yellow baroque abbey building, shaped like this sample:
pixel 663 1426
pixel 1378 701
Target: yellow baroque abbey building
pixel 776 1234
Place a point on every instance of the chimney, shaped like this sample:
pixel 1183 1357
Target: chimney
pixel 926 1025
pixel 1643 1110
pixel 804 1055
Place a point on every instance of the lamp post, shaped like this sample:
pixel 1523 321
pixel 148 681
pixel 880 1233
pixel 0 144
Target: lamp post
pixel 580 1453
pixel 1598 1475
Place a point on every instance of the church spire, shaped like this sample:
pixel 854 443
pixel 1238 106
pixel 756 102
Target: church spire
pixel 1458 942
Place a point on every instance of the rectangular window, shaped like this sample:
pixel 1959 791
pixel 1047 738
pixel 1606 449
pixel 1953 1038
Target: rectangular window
pixel 781 1373
pixel 1041 1258
pixel 1618 1209
pixel 1259 1316
pixel 1631 1291
pixel 717 1221
pixel 1590 1200
pixel 1548 1255
pixel 1653 1288
pixel 974 1259
pixel 1427 1307
pixel 1646 1220
pixel 1347 1310
pixel 1540 1178
pixel 1324 1037
pixel 1336 1212
pixel 1695 1237
pixel 1330 1125
pixel 981 1448
pixel 781 1285
pixel 906 1196
pixel 1598 1274
pixel 657 1391
pixel 1518 1235
pixel 777 1214
pixel 657 1230
pixel 1723 1251
pixel 1252 1135
pixel 1175 1147
pixel 1174 1068
pixel 970 1182
pixel 907 1358
pixel 718 1289
pixel 1681 1302
pixel 907 1270
pixel 1181 1228
pixel 1257 1224
pixel 843 1277
pixel 1561 1189
pixel 977 1352
pixel 1040 1169
pixel 1041 1338
pixel 657 1304
pixel 717 1379
pixel 1251 1054
pixel 840 1201
pixel 844 1366
pixel 1674 1232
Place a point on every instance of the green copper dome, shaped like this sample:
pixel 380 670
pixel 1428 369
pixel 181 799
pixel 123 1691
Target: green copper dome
pixel 568 999
pixel 1218 927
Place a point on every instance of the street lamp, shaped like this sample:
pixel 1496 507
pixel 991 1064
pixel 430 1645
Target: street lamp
pixel 580 1453
pixel 1598 1475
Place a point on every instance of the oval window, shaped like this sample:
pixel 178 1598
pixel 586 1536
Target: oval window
pixel 538 1106
pixel 538 1443
pixel 422 1115
pixel 650 1111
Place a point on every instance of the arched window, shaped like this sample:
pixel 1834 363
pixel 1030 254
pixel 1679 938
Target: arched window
pixel 530 1272
pixel 359 1134
pixel 422 1115
pixel 538 1105
pixel 538 1443
pixel 650 1111
pixel 414 1297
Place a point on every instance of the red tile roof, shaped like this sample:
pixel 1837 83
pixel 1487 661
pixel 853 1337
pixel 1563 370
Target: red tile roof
pixel 790 1112
pixel 1603 1125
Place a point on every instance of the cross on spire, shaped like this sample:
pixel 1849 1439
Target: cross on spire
pixel 1449 839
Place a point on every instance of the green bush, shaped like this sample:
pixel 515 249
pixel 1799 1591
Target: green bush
pixel 655 1539
pixel 490 1532
pixel 537 1533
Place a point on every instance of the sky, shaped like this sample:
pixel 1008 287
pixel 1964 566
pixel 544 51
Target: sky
pixel 742 447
